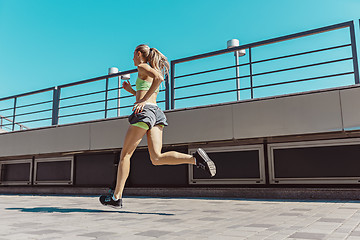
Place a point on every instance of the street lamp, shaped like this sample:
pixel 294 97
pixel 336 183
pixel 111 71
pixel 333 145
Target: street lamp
pixel 235 43
pixel 114 70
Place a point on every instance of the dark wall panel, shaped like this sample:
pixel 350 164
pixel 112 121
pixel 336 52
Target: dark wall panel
pixel 331 161
pixel 143 173
pixel 15 172
pixel 53 171
pixel 95 169
pixel 237 164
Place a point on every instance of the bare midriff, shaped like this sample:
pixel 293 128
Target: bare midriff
pixel 141 93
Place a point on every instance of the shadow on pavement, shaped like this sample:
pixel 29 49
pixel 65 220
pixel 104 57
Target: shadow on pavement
pixel 79 210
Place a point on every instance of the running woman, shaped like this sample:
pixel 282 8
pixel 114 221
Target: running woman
pixel 147 118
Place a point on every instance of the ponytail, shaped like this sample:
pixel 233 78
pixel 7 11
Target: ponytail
pixel 155 58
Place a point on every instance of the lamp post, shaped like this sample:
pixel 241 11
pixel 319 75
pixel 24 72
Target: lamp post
pixel 114 70
pixel 235 43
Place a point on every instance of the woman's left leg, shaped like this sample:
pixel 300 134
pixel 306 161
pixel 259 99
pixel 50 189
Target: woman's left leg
pixel 154 138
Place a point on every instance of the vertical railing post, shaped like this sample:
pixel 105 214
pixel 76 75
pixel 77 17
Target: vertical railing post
pixel 56 104
pixel 172 86
pixel 14 113
pixel 354 53
pixel 106 96
pixel 167 94
pixel 119 96
pixel 237 75
pixel 251 77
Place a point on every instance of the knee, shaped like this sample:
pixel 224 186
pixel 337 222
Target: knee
pixel 124 160
pixel 155 159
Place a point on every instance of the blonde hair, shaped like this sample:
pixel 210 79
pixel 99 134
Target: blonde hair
pixel 155 58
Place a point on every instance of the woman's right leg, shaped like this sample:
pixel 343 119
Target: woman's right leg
pixel 132 139
pixel 154 138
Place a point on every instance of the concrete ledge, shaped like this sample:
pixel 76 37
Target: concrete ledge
pixel 259 193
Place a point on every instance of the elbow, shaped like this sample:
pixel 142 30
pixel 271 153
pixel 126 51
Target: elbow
pixel 159 78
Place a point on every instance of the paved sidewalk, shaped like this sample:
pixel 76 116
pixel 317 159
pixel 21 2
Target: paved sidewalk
pixel 67 217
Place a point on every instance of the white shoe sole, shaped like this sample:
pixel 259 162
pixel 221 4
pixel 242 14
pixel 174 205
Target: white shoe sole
pixel 208 161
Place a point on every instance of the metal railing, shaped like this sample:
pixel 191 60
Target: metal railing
pixel 3 125
pixel 100 97
pixel 57 104
pixel 180 83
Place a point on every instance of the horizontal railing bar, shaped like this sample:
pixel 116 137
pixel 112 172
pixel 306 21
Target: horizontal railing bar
pixel 265 42
pixel 302 80
pixel 132 105
pixel 70 84
pixel 116 108
pixel 121 107
pixel 76 114
pixel 298 54
pixel 8 124
pixel 30 113
pixel 267 85
pixel 37 120
pixel 88 103
pixel 304 66
pixel 218 69
pixel 7 109
pixel 260 61
pixel 207 94
pixel 209 82
pixel 12 122
pixel 113 89
pixel 27 94
pixel 98 78
pixel 82 104
pixel 17 107
pixel 128 96
pixel 39 103
pixel 82 95
pixel 109 109
pixel 3 127
pixel 228 79
pixel 7 119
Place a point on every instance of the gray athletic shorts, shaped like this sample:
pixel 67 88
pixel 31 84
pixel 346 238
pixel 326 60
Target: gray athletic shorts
pixel 151 115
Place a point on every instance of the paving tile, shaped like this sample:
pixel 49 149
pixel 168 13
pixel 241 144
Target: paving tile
pixel 176 218
pixel 290 214
pixel 336 220
pixel 211 219
pixel 168 220
pixel 301 209
pixel 260 225
pixel 306 235
pixel 153 233
pixel 355 233
pixel 352 238
pixel 246 210
pixel 97 234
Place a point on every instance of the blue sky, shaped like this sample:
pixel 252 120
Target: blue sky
pixel 44 43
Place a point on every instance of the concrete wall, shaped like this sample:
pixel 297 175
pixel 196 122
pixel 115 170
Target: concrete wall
pixel 315 112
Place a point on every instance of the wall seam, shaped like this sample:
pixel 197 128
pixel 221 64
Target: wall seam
pixel 89 136
pixel 232 121
pixel 341 113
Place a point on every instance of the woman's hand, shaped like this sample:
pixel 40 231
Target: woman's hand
pixel 139 106
pixel 127 86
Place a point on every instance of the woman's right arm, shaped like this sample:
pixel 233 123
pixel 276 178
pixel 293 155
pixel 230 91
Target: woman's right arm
pixel 127 87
